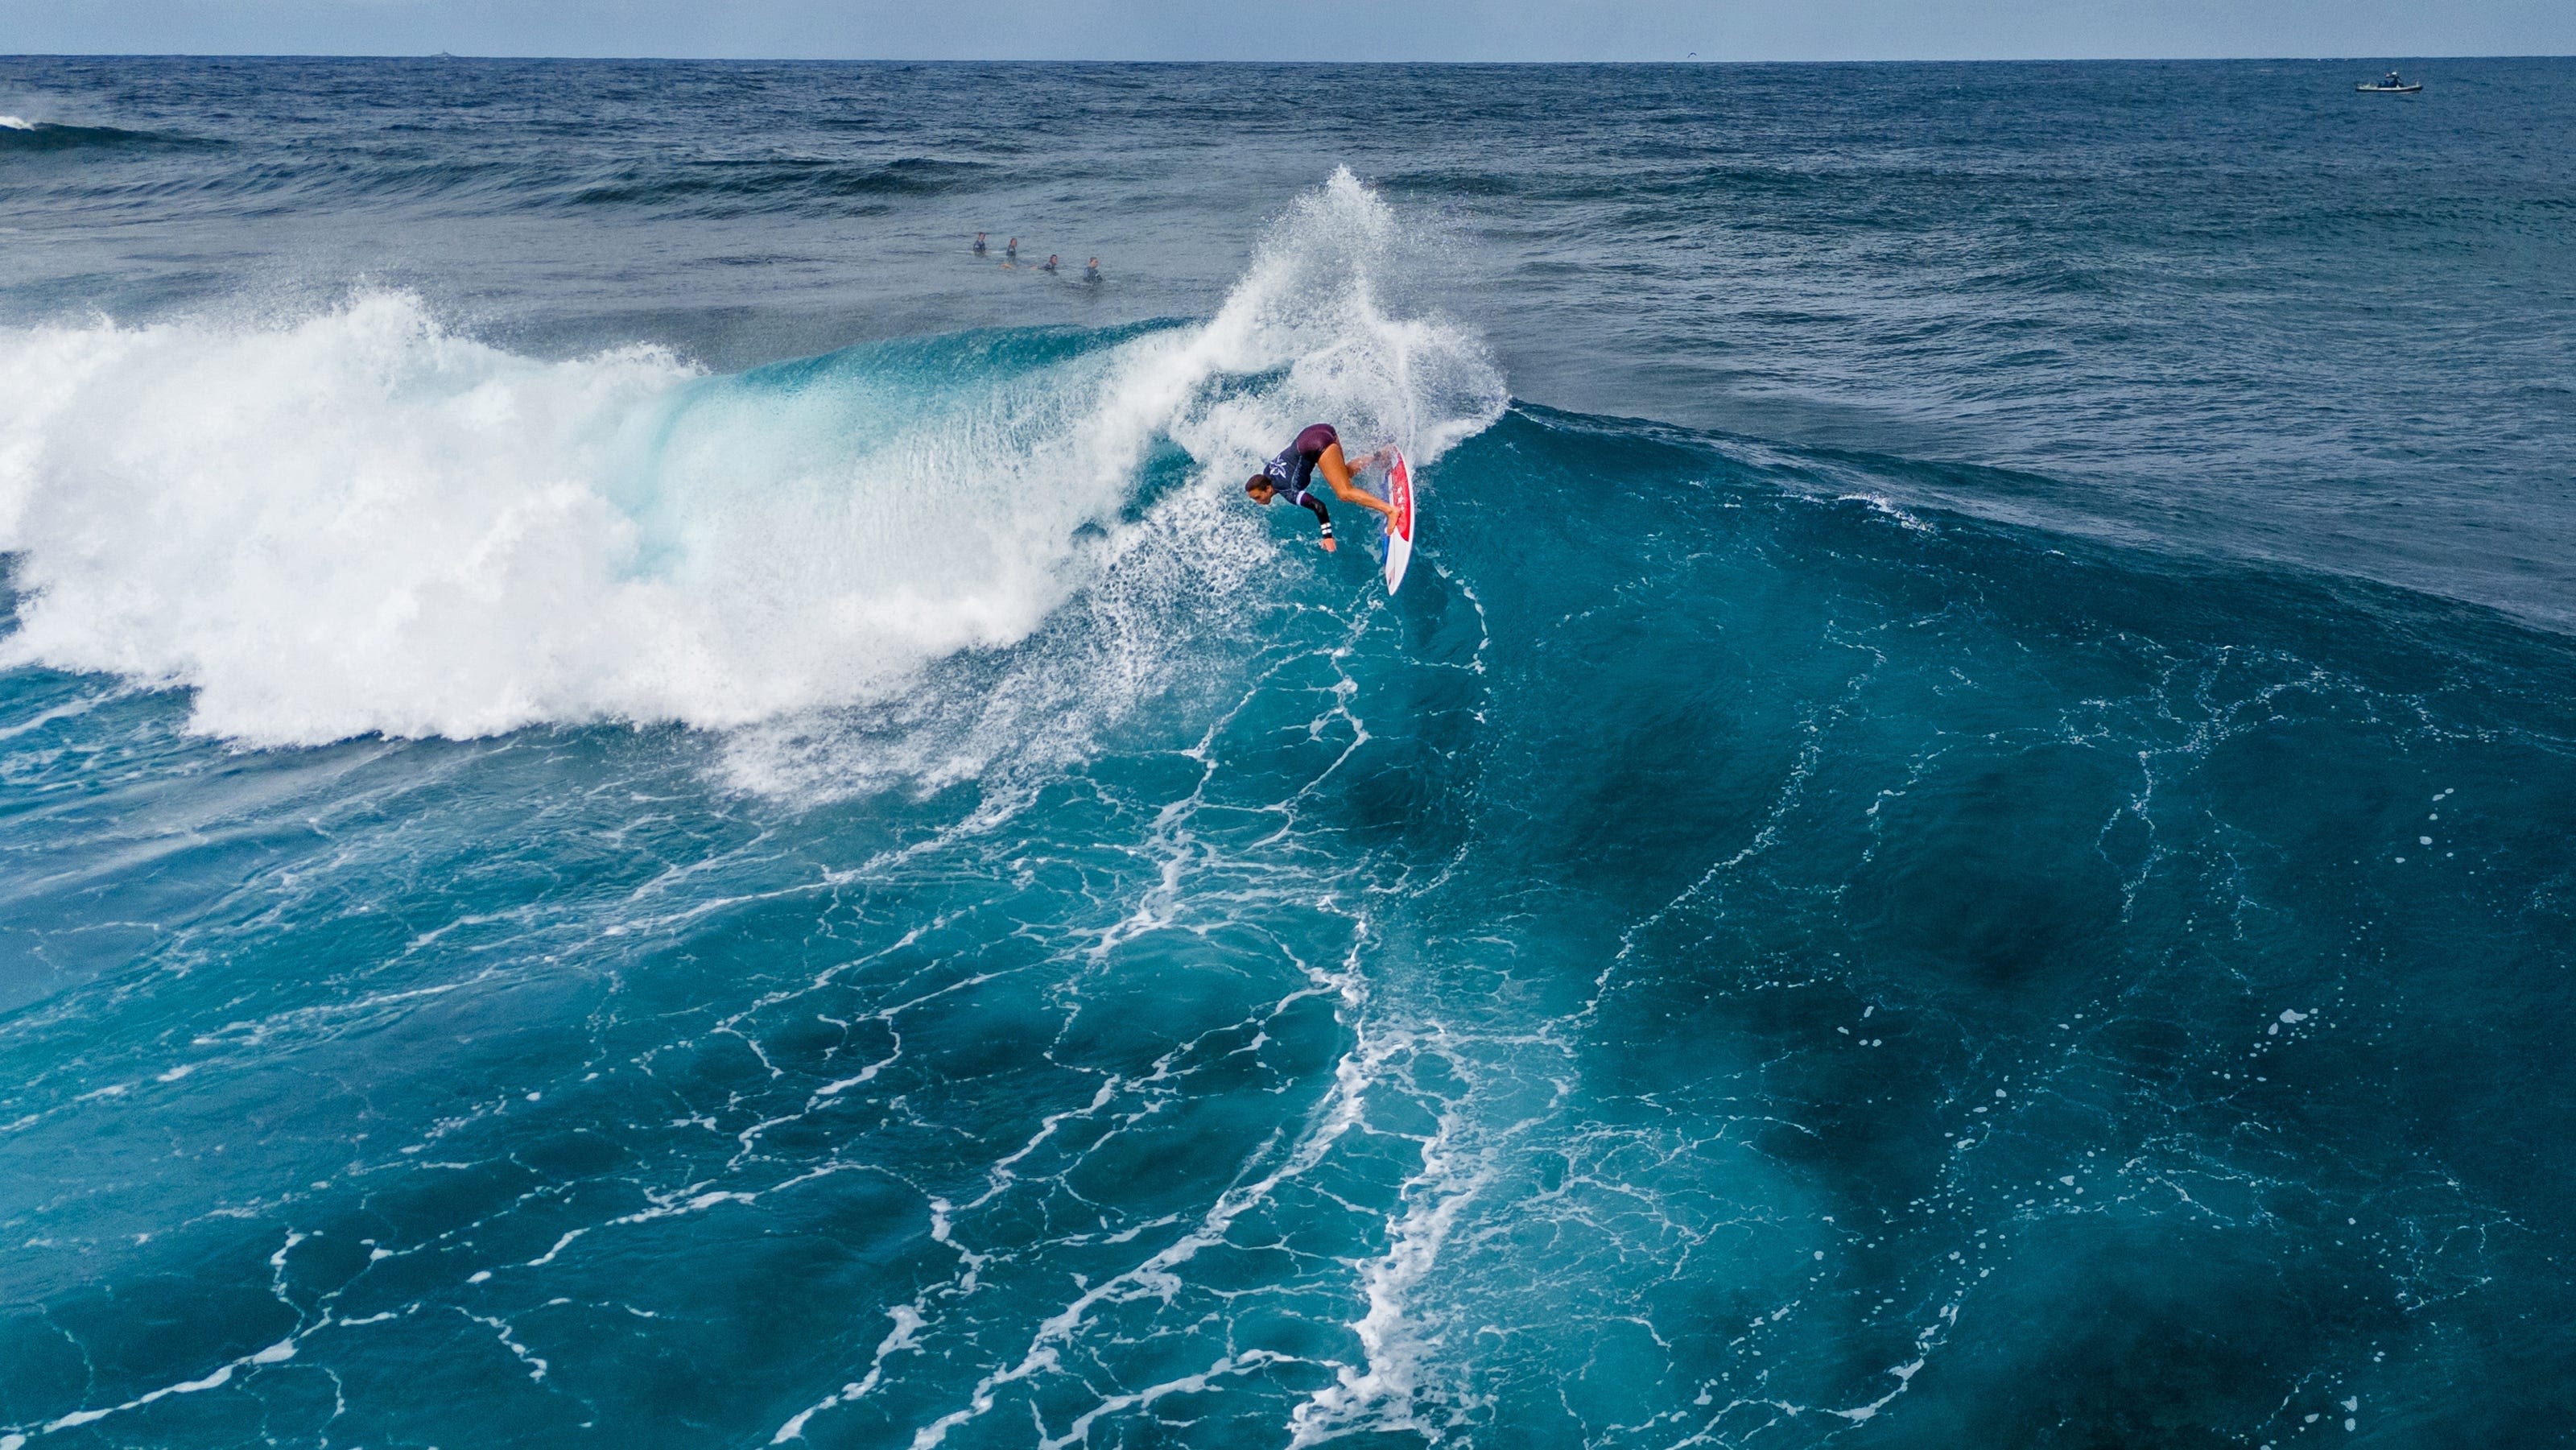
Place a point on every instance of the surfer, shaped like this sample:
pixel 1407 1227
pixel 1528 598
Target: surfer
pixel 1049 268
pixel 1287 475
pixel 1013 250
pixel 1091 270
pixel 979 244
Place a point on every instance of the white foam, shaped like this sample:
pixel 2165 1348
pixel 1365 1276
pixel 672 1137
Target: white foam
pixel 900 1339
pixel 16 123
pixel 360 521
pixel 1379 1392
pixel 277 1353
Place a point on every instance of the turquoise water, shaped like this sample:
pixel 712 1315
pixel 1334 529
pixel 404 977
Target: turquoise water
pixel 574 876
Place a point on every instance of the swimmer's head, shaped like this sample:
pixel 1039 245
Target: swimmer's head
pixel 1260 487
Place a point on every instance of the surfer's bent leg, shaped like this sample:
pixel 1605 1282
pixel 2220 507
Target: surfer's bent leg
pixel 1338 474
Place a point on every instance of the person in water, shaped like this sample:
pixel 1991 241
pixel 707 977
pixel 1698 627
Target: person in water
pixel 1091 270
pixel 979 244
pixel 1013 250
pixel 1050 264
pixel 1286 476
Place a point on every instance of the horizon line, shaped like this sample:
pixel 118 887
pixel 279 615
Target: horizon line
pixel 1267 64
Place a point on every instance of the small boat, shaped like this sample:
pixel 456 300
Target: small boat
pixel 2390 86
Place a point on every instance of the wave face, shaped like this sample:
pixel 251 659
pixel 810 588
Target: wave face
pixel 557 890
pixel 1719 955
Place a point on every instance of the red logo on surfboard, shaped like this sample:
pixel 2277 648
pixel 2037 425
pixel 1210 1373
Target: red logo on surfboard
pixel 1399 530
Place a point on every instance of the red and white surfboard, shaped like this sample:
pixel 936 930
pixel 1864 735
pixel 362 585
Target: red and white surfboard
pixel 1399 530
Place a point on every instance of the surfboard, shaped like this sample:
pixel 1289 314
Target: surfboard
pixel 1399 530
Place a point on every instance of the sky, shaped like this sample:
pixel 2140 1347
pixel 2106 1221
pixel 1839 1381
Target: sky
pixel 1415 30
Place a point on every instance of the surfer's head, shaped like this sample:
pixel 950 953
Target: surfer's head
pixel 1259 486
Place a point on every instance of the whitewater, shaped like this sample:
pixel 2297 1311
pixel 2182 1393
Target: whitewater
pixel 362 522
pixel 643 802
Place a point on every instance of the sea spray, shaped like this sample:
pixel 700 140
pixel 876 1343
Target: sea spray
pixel 1304 335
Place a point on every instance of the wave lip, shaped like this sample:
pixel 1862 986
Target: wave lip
pixel 18 134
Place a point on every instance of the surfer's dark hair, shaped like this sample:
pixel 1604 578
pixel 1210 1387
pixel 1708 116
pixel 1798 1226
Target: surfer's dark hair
pixel 1259 480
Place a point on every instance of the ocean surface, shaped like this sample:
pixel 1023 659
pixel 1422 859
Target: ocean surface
pixel 644 804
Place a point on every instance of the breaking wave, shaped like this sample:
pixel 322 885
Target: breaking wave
pixel 362 521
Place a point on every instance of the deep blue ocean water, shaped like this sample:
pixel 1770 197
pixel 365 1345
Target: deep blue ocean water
pixel 644 804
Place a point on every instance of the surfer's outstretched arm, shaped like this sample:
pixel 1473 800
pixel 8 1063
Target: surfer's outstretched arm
pixel 1316 506
pixel 1338 474
pixel 1263 489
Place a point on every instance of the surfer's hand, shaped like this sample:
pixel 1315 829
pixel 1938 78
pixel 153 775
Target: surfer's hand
pixel 1328 545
